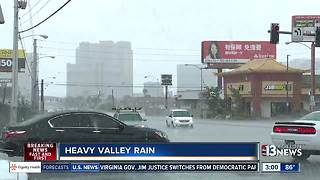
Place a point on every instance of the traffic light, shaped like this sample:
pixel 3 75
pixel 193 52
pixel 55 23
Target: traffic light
pixel 274 33
pixel 317 37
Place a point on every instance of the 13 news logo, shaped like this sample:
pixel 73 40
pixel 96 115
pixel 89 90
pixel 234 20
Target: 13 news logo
pixel 286 150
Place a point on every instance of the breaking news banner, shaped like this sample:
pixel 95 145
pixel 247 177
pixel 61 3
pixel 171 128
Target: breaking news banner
pixel 281 167
pixel 40 152
pixel 160 152
pixel 150 167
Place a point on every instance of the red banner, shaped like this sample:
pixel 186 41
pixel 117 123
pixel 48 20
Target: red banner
pixel 40 152
pixel 236 52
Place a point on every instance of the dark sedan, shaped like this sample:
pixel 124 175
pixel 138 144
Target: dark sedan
pixel 74 127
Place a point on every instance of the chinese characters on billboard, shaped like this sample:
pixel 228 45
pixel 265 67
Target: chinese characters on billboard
pixel 235 52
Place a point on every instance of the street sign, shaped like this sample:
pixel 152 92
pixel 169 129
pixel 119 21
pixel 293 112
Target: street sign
pixel 304 28
pixel 6 60
pixel 166 79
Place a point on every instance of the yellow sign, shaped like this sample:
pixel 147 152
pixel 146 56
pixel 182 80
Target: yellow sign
pixel 276 87
pixel 243 87
pixel 7 53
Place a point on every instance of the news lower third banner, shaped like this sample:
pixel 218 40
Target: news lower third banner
pixel 149 167
pixel 160 152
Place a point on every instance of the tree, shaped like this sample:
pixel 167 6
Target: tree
pixel 215 102
pixel 236 103
pixel 145 91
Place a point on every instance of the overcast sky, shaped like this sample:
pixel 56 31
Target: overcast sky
pixel 163 33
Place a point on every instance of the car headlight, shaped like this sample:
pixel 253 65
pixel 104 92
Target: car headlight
pixel 161 134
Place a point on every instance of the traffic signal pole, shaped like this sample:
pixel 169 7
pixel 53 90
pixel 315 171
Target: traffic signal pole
pixel 313 77
pixel 313 57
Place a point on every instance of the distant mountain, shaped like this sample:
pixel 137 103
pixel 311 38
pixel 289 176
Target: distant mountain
pixel 304 64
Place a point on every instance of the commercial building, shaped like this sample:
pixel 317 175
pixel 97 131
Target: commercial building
pixel 268 89
pixel 153 89
pixel 101 68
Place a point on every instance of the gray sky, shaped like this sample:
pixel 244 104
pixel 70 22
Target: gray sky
pixel 163 33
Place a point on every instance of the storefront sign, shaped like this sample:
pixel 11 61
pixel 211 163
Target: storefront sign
pixel 244 88
pixel 277 87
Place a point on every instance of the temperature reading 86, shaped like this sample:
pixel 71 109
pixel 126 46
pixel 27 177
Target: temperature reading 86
pixel 289 166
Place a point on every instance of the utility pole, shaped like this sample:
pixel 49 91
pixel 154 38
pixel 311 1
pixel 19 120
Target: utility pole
pixel 313 78
pixel 287 85
pixel 166 100
pixel 14 93
pixel 112 98
pixel 34 80
pixel 4 93
pixel 42 99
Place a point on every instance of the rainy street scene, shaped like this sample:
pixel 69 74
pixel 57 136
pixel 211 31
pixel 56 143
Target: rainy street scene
pixel 149 89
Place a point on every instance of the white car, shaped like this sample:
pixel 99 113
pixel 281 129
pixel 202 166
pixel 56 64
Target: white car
pixel 304 132
pixel 179 117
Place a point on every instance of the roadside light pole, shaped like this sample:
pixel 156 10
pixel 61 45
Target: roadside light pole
pixel 313 78
pixel 201 86
pixel 287 85
pixel 34 81
pixel 42 93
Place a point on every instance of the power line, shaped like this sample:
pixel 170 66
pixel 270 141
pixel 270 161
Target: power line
pixel 25 57
pixel 126 60
pixel 140 48
pixel 30 9
pixel 114 52
pixel 46 18
pixel 36 12
pixel 119 86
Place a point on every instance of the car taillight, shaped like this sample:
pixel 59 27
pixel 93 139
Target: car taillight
pixel 279 129
pixel 294 130
pixel 306 130
pixel 10 134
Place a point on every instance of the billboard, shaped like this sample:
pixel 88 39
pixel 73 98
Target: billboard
pixel 166 79
pixel 6 60
pixel 304 28
pixel 224 54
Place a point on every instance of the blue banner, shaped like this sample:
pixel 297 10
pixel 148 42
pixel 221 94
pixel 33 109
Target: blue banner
pixel 85 167
pixel 290 167
pixel 170 151
pixel 65 167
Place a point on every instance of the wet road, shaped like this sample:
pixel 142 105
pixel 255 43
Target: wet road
pixel 210 131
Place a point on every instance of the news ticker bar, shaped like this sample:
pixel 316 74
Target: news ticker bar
pixel 92 167
pixel 142 152
pixel 40 167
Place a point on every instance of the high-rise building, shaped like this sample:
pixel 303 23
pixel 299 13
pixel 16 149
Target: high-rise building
pixel 101 68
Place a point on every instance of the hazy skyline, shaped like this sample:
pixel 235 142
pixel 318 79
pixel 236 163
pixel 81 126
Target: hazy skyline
pixel 162 33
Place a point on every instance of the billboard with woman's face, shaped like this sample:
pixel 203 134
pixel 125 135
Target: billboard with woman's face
pixel 235 52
